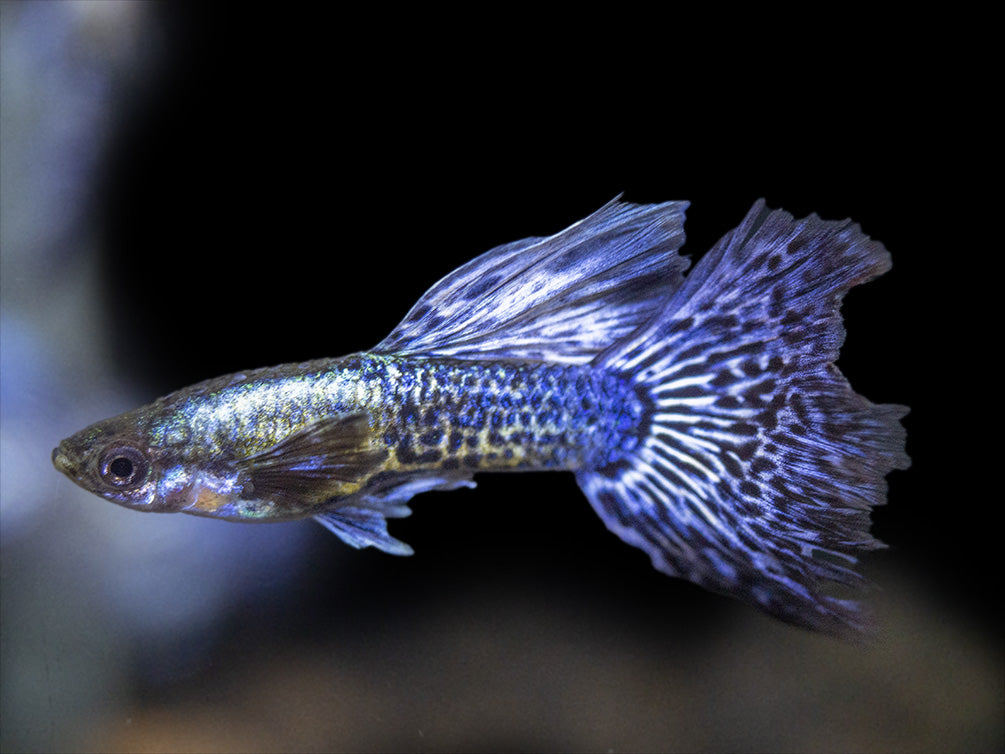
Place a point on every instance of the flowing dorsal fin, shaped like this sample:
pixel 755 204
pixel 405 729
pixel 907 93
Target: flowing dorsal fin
pixel 564 298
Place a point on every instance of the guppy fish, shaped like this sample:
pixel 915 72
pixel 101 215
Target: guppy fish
pixel 703 415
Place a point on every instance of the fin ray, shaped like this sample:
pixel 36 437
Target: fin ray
pixel 759 463
pixel 563 298
pixel 361 521
pixel 363 527
pixel 312 463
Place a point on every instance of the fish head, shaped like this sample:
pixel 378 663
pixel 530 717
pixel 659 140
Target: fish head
pixel 114 460
pixel 161 458
pixel 144 460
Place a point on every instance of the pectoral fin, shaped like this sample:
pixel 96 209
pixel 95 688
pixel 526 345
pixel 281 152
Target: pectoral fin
pixel 311 466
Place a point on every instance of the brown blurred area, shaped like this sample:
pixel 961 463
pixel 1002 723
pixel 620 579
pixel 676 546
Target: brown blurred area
pixel 518 669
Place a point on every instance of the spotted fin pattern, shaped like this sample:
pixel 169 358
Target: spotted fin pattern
pixel 759 464
pixel 560 299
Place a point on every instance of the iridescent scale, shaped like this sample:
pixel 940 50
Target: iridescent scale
pixel 426 412
pixel 453 414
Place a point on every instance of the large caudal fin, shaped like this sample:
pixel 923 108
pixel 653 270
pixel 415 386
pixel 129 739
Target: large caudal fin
pixel 759 464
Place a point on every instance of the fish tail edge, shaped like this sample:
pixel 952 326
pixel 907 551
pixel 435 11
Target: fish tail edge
pixel 757 464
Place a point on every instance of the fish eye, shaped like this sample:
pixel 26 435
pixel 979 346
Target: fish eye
pixel 123 467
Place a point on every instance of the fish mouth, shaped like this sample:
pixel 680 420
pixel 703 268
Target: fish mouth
pixel 62 462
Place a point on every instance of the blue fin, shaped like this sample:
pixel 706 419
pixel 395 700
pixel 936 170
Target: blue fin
pixel 561 299
pixel 363 527
pixel 361 521
pixel 759 464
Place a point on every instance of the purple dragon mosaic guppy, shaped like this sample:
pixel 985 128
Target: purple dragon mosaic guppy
pixel 703 415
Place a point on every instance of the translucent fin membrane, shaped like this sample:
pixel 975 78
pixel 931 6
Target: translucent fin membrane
pixel 759 464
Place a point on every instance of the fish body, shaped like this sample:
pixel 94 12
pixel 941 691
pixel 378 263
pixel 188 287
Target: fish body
pixel 702 415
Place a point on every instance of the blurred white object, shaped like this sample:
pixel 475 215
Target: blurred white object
pixel 86 586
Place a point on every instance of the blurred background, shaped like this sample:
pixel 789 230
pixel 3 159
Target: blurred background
pixel 189 191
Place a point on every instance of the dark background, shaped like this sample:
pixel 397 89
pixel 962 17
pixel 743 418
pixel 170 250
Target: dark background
pixel 284 188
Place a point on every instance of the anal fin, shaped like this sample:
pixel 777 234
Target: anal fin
pixel 361 521
pixel 364 527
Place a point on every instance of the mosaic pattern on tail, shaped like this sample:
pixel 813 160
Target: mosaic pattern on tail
pixel 762 462
pixel 703 416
